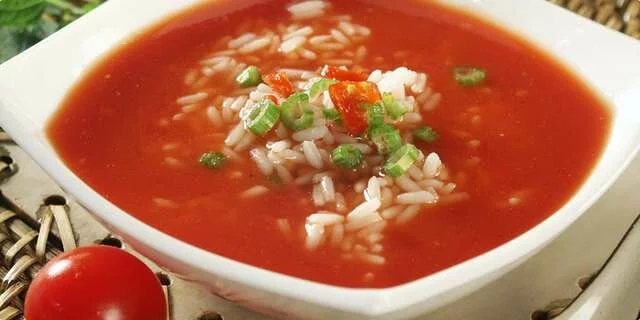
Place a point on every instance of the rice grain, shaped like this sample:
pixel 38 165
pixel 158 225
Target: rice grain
pixel 407 214
pixel 325 218
pixel 191 99
pixel 418 197
pixel 312 154
pixel 254 191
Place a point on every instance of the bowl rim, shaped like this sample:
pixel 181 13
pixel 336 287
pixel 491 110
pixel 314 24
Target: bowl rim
pixel 471 273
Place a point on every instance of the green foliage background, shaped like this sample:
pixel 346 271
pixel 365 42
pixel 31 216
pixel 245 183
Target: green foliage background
pixel 24 23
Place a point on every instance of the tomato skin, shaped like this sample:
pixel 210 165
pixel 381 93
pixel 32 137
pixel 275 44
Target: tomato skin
pixel 340 74
pixel 279 83
pixel 95 283
pixel 349 98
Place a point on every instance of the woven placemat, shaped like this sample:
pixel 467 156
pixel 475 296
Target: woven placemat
pixel 619 15
pixel 36 227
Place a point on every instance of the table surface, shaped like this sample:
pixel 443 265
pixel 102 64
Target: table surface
pixel 547 282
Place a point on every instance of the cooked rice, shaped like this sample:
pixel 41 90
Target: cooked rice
pixel 307 9
pixel 254 192
pixel 418 197
pixel 364 208
pixel 317 195
pixel 173 162
pixel 235 135
pixel 407 214
pixel 313 133
pixel 432 165
pixel 328 189
pixel 337 234
pixel 406 184
pixel 191 99
pixel 284 226
pixel 312 154
pixel 165 203
pixel 241 40
pixel 315 233
pixel 392 212
pixel 353 209
pixel 261 160
pixel 215 117
pixel 324 218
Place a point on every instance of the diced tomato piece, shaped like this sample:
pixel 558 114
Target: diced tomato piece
pixel 349 98
pixel 273 98
pixel 337 73
pixel 279 83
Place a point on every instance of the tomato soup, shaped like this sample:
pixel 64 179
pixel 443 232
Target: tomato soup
pixel 353 143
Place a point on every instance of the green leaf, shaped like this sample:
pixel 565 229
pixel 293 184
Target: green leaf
pixel 14 40
pixel 9 44
pixel 21 13
pixel 90 5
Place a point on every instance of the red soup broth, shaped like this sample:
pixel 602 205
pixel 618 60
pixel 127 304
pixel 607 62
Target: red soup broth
pixel 540 132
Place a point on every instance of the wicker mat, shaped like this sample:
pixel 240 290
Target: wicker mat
pixel 37 223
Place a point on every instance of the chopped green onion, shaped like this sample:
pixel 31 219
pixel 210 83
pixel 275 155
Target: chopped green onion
pixel 262 117
pixel 249 77
pixel 347 156
pixel 296 112
pixel 375 114
pixel 426 134
pixel 332 114
pixel 401 160
pixel 213 160
pixel 395 109
pixel 469 76
pixel 320 86
pixel 386 138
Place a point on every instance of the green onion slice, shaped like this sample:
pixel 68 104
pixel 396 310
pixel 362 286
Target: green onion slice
pixel 213 160
pixel 426 134
pixel 347 156
pixel 395 109
pixel 297 113
pixel 262 117
pixel 386 138
pixel 332 114
pixel 249 77
pixel 469 76
pixel 401 160
pixel 375 114
pixel 320 86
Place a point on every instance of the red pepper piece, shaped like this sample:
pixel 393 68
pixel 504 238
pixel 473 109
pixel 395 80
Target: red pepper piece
pixel 279 83
pixel 273 98
pixel 350 98
pixel 337 73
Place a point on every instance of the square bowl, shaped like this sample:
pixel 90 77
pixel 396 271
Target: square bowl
pixel 606 60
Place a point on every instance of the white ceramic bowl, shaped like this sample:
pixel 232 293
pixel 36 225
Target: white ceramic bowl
pixel 33 84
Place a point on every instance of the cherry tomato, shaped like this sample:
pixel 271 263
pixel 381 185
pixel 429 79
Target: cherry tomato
pixel 279 83
pixel 95 283
pixel 349 97
pixel 337 73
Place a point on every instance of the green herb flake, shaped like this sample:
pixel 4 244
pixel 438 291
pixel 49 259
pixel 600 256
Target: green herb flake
pixel 249 77
pixel 213 159
pixel 426 134
pixel 467 76
pixel 297 113
pixel 320 86
pixel 347 156
pixel 395 109
pixel 332 115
